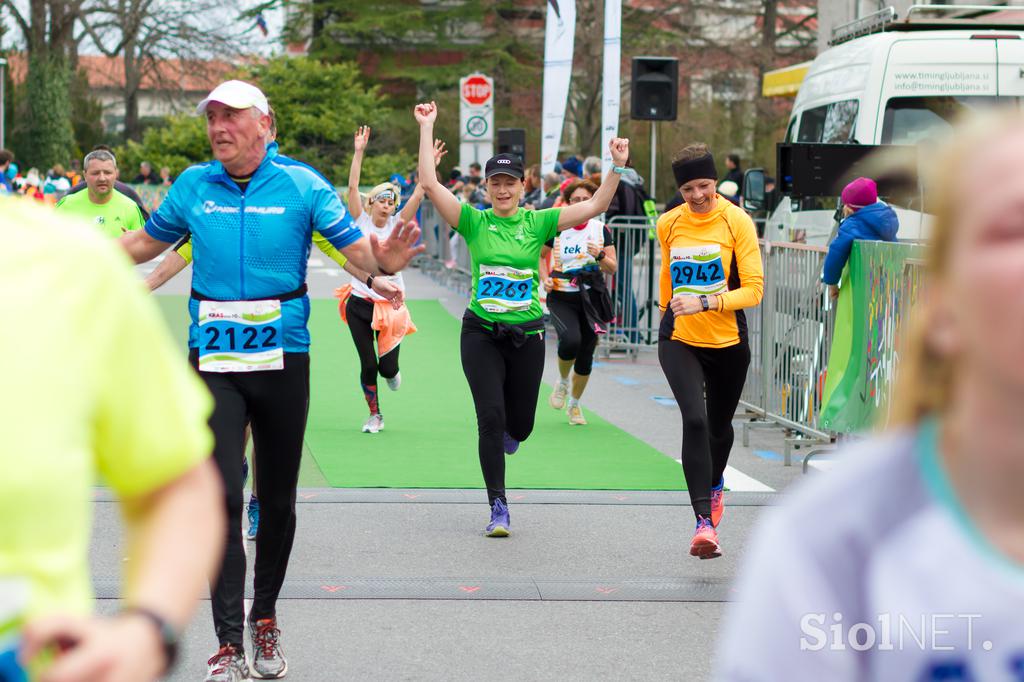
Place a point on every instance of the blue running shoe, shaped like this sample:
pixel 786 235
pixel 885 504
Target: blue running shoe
pixel 717 503
pixel 245 470
pixel 511 444
pixel 499 525
pixel 254 517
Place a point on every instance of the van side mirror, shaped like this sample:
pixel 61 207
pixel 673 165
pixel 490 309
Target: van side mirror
pixel 753 190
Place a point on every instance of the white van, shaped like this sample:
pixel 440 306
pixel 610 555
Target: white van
pixel 904 83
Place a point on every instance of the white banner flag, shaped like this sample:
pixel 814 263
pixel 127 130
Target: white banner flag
pixel 558 46
pixel 612 72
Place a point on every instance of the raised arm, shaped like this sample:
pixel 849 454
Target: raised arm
pixel 444 201
pixel 413 205
pixel 577 214
pixel 355 202
pixel 408 211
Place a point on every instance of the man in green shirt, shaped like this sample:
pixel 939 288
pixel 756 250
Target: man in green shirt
pixel 112 212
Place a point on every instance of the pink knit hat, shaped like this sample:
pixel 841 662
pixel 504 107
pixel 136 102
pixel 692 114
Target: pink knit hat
pixel 859 193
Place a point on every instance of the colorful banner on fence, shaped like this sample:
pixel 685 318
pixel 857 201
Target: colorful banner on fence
pixel 152 195
pixel 881 283
pixel 610 83
pixel 559 37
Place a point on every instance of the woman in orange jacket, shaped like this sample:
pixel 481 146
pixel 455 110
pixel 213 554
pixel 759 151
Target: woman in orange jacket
pixel 710 271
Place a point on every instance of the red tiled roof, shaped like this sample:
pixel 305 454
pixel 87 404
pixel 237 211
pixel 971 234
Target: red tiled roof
pixel 172 74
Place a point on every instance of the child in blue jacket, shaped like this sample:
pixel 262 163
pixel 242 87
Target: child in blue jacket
pixel 864 217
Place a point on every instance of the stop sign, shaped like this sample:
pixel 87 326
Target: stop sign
pixel 476 90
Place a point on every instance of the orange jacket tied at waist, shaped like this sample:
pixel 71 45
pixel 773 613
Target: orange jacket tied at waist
pixel 391 324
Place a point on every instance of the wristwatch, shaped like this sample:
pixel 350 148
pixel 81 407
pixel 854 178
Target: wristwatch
pixel 619 169
pixel 600 256
pixel 704 302
pixel 168 635
pixel 369 281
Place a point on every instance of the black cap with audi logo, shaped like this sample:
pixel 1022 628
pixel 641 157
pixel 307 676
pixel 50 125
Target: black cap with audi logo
pixel 504 164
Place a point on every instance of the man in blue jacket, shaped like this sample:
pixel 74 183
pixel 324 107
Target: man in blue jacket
pixel 864 217
pixel 252 215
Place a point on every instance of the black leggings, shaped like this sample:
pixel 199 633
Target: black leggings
pixel 359 312
pixel 576 340
pixel 505 383
pixel 707 421
pixel 276 404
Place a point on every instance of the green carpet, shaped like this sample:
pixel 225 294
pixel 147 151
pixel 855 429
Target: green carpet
pixel 429 439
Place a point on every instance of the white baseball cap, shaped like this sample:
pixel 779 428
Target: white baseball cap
pixel 237 95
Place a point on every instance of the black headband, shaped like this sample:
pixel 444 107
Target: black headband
pixel 695 169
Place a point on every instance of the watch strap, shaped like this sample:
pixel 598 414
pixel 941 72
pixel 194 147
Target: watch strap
pixel 168 635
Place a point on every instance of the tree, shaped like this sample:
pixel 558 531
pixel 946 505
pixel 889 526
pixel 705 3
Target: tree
pixel 177 144
pixel 420 50
pixel 318 108
pixel 724 51
pixel 86 114
pixel 43 133
pixel 161 42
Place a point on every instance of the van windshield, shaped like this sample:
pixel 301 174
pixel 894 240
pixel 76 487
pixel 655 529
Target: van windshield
pixel 909 120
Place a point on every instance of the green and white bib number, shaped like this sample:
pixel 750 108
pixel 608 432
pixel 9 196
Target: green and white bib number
pixel 502 289
pixel 240 336
pixel 697 270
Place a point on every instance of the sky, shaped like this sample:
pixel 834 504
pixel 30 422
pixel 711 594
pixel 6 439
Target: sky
pixel 265 46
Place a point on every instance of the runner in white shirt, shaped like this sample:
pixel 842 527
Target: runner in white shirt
pixel 371 317
pixel 908 564
pixel 582 257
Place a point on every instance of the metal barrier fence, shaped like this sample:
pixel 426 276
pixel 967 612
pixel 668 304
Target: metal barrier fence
pixel 790 336
pixel 446 258
pixel 633 287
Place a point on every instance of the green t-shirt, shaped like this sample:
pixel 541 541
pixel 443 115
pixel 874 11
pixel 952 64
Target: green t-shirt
pixel 114 218
pixel 90 392
pixel 505 254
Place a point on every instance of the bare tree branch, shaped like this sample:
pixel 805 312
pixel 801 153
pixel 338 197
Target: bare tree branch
pixel 19 20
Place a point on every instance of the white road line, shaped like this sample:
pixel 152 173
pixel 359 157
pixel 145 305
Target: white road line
pixel 739 481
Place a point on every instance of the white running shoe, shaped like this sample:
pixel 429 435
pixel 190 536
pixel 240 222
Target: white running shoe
pixel 576 416
pixel 374 424
pixel 395 381
pixel 557 398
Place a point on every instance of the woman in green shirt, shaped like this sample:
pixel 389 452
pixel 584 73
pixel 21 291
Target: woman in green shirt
pixel 503 329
